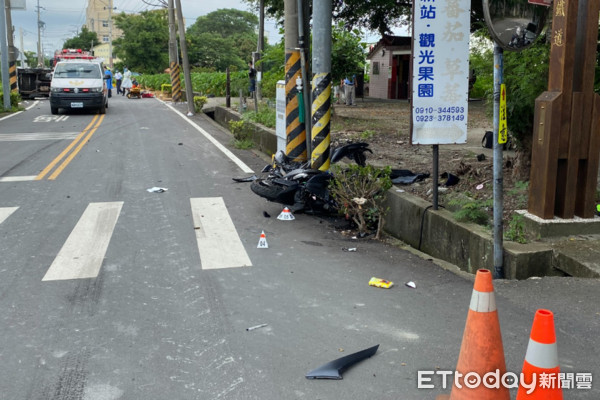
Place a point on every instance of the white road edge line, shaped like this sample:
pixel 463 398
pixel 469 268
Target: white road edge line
pixel 35 103
pixel 214 141
pixel 218 242
pixel 5 212
pixel 19 112
pixel 83 253
pixel 24 178
pixel 10 115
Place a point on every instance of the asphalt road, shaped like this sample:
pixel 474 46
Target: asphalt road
pixel 108 291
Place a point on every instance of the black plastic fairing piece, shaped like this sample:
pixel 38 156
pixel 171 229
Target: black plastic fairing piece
pixel 334 369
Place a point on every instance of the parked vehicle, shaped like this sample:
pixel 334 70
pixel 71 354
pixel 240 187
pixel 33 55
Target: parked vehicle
pixel 78 84
pixel 302 188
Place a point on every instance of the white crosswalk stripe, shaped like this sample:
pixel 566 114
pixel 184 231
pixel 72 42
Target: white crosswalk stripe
pixel 82 254
pixel 218 242
pixel 5 212
pixel 20 137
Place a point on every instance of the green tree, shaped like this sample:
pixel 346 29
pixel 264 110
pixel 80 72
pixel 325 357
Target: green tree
pixel 223 38
pixel 145 40
pixel 375 15
pixel 84 40
pixel 31 58
pixel 347 52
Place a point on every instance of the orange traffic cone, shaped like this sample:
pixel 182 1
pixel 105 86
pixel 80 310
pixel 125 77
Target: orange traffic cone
pixel 481 351
pixel 541 358
pixel 286 215
pixel 262 241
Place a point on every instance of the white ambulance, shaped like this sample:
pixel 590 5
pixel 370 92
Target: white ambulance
pixel 78 84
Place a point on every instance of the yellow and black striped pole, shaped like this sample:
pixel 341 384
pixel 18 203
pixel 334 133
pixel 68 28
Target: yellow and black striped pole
pixel 175 82
pixel 321 116
pixel 295 130
pixel 12 73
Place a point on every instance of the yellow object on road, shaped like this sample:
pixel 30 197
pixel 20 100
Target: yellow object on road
pixel 381 283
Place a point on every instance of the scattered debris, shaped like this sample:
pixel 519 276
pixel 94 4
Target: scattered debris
pixel 451 180
pixel 400 190
pixel 411 284
pixel 406 177
pixel 481 157
pixel 334 369
pixel 348 249
pixel 256 327
pixel 157 189
pixel 246 179
pixel 262 241
pixel 179 144
pixel 359 200
pixel 479 187
pixel 266 214
pixel 380 283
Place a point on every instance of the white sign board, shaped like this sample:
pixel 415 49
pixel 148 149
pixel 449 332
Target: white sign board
pixel 18 4
pixel 280 116
pixel 440 81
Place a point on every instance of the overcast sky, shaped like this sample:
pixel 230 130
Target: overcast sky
pixel 64 18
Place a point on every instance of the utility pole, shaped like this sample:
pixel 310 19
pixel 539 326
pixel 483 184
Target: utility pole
pixel 39 43
pixel 294 123
pixel 173 64
pixel 189 91
pixel 260 48
pixel 4 57
pixel 321 85
pixel 22 47
pixel 12 57
pixel 110 51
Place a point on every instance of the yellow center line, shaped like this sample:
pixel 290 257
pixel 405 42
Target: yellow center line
pixel 74 152
pixel 65 151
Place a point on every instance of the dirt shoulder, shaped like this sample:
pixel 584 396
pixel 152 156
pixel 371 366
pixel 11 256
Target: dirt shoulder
pixel 385 125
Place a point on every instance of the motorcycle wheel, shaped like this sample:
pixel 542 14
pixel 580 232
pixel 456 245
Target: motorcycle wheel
pixel 269 192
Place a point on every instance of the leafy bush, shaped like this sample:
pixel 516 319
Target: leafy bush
pixel 199 102
pixel 241 134
pixel 471 210
pixel 359 191
pixel 14 101
pixel 166 87
pixel 265 116
pixel 154 82
pixel 516 229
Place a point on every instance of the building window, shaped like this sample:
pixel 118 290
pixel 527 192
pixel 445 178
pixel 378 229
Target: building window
pixel 105 23
pixel 375 67
pixel 105 39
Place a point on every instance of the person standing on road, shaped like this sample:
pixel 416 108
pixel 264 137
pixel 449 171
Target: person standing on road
pixel 349 90
pixel 118 79
pixel 126 84
pixel 108 76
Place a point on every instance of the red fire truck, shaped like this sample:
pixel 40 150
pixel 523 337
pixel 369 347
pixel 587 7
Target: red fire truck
pixel 71 54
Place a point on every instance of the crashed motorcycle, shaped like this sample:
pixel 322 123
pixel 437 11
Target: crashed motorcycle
pixel 301 188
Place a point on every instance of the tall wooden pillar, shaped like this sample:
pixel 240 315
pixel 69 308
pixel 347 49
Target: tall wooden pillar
pixel 566 137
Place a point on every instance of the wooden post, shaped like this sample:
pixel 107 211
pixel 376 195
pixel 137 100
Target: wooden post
pixel 566 148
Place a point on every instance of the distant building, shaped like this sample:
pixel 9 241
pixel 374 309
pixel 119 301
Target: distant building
pixel 101 51
pixel 97 20
pixel 389 75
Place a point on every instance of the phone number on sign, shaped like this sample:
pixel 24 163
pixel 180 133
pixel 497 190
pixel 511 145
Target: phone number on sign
pixel 439 118
pixel 439 110
pixel 439 114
